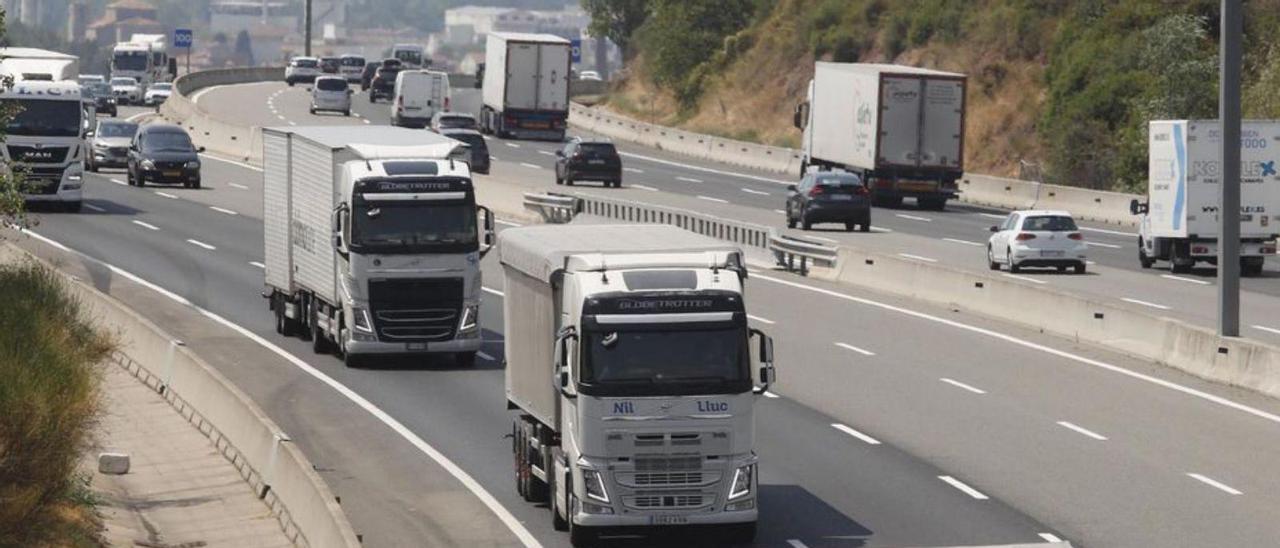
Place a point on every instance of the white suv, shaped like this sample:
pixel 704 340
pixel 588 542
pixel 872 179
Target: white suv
pixel 331 94
pixel 302 69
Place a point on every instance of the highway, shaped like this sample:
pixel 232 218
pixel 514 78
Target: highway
pixel 936 428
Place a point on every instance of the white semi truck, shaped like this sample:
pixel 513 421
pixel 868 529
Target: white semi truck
pixel 144 58
pixel 628 359
pixel 31 64
pixel 372 244
pixel 526 86
pixel 900 128
pixel 44 142
pixel 1180 217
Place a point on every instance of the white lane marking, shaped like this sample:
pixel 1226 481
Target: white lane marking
pixel 1082 430
pixel 913 218
pixel 632 170
pixel 822 239
pixel 1100 244
pixel 357 115
pixel 1105 231
pixel 232 162
pixel 1024 278
pixel 689 179
pixel 917 257
pixel 779 211
pixel 119 182
pixel 963 242
pixel 508 223
pixel 1145 303
pixel 769 394
pixel 710 199
pixel 492 291
pixel 239 186
pixel 166 195
pixel 878 229
pixel 704 169
pixel 756 192
pixel 258 264
pixel 795 543
pixel 546 153
pixel 964 386
pixel 366 120
pixel 1215 483
pixel 1267 329
pixel 964 488
pixel 485 356
pixel 95 208
pixel 199 243
pixel 223 210
pixel 1182 279
pixel 1050 537
pixel 1219 400
pixel 292 123
pixel 531 166
pixel 147 226
pixel 862 351
pixel 850 431
pixel 280 117
pixel 457 472
pixel 493 158
pixel 643 187
pixel 135 117
pixel 512 145
pixel 994 216
pixel 761 320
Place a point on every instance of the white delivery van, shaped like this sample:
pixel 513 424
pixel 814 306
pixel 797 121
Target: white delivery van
pixel 419 95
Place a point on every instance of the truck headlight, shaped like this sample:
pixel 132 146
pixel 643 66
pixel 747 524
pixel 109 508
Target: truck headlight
pixel 595 485
pixel 470 318
pixel 361 317
pixel 193 165
pixel 742 481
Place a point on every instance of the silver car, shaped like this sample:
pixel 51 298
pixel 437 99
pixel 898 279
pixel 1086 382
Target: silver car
pixel 109 144
pixel 127 91
pixel 331 94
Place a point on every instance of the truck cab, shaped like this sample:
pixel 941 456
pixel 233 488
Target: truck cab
pixel 131 60
pixel 45 140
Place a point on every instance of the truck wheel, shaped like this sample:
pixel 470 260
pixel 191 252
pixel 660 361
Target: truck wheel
pixel 580 536
pixel 1143 259
pixel 805 223
pixel 1080 267
pixel 1251 266
pixel 848 227
pixel 932 204
pixel 352 361
pixel 518 452
pixel 465 360
pixel 568 181
pixel 791 223
pixel 741 534
pixel 319 344
pixel 865 227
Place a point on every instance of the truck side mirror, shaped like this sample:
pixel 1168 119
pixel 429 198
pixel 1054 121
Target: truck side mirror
pixel 994 229
pixel 1137 208
pixel 336 223
pixel 766 361
pixel 488 230
pixel 562 379
pixel 801 117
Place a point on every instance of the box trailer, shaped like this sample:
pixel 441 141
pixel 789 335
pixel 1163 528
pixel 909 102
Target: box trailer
pixel 900 128
pixel 526 86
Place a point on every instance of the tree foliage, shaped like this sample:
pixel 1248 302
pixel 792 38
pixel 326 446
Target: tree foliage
pixel 12 205
pixel 616 20
pixel 681 36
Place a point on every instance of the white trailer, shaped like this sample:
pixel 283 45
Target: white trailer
pixel 901 128
pixel 31 64
pixel 1180 218
pixel 628 359
pixel 526 86
pixel 371 241
pixel 163 67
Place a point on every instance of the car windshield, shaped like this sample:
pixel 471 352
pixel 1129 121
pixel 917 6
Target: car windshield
pixel 388 225
pixel 1049 223
pixel 688 358
pixel 45 117
pixel 123 82
pixel 130 60
pixel 599 149
pixel 117 129
pixel 409 56
pixel 331 84
pixel 305 63
pixel 840 180
pixel 353 61
pixel 167 141
pixel 455 122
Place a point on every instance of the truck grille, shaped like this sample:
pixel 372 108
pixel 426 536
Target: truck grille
pixel 650 502
pixel 644 463
pixel 422 310
pixel 43 155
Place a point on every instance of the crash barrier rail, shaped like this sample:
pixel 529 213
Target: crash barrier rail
pixel 1093 205
pixel 747 234
pixel 265 456
pixel 554 208
pixel 786 249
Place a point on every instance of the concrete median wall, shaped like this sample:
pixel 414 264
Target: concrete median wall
pixel 266 458
pixel 235 141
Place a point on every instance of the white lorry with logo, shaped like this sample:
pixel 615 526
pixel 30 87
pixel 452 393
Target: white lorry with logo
pixel 31 64
pixel 628 358
pixel 44 142
pixel 1180 217
pixel 372 244
pixel 145 59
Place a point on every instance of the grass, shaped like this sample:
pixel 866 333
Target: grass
pixel 48 402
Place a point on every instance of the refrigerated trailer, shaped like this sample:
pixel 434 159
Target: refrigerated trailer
pixel 526 86
pixel 371 241
pixel 900 128
pixel 628 361
pixel 1180 217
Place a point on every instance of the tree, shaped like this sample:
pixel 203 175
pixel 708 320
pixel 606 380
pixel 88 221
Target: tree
pixel 681 36
pixel 12 204
pixel 1177 53
pixel 243 53
pixel 616 20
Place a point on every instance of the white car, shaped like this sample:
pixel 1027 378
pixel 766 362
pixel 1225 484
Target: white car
pixel 589 75
pixel 302 69
pixel 1037 238
pixel 331 94
pixel 157 93
pixel 126 90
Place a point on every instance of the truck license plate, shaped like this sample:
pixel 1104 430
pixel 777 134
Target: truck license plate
pixel 668 520
pixel 416 346
pixel 537 125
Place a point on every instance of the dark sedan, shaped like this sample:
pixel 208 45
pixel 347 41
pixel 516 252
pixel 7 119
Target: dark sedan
pixel 475 144
pixel 384 80
pixel 163 153
pixel 589 160
pixel 330 65
pixel 104 101
pixel 826 197
pixel 366 77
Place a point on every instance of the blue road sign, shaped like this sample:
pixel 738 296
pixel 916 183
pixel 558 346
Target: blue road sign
pixel 575 50
pixel 182 38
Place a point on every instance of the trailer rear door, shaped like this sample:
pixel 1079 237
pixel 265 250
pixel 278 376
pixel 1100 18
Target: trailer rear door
pixel 899 142
pixel 941 137
pixel 522 75
pixel 553 68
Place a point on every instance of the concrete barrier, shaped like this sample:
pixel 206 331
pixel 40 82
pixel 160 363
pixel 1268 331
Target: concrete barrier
pixel 266 458
pixel 206 130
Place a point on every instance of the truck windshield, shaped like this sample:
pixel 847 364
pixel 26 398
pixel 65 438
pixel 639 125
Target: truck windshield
pixel 665 362
pixel 387 227
pixel 409 56
pixel 45 117
pixel 130 60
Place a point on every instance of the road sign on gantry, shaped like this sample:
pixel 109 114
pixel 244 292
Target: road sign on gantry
pixel 182 38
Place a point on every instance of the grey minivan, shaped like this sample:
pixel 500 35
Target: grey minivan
pixel 331 94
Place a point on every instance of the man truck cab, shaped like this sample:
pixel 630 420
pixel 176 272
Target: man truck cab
pixel 44 140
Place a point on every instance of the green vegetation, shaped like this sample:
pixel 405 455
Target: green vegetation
pixel 1067 84
pixel 48 399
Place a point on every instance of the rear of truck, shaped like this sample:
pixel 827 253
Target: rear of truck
pixel 529 97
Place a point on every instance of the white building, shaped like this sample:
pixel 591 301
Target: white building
pixel 470 24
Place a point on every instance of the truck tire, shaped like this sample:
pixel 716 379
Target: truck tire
pixel 554 494
pixel 518 452
pixel 352 361
pixel 1251 266
pixel 319 344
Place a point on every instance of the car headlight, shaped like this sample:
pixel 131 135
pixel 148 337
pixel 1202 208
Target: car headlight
pixel 193 164
pixel 362 322
pixel 148 164
pixel 595 485
pixel 742 481
pixel 470 318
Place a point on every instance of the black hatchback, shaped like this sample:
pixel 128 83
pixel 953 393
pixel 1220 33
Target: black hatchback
pixel 826 197
pixel 384 80
pixel 366 77
pixel 163 153
pixel 588 160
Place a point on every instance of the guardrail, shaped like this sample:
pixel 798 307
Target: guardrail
pixel 748 234
pixel 788 248
pixel 554 208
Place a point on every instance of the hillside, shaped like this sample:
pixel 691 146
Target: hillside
pixel 1064 86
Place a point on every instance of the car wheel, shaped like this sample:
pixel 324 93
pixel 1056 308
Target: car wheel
pixel 791 223
pixel 1080 268
pixel 865 227
pixel 991 260
pixel 559 180
pixel 1013 267
pixel 196 185
pixel 568 181
pixel 805 223
pixel 346 112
